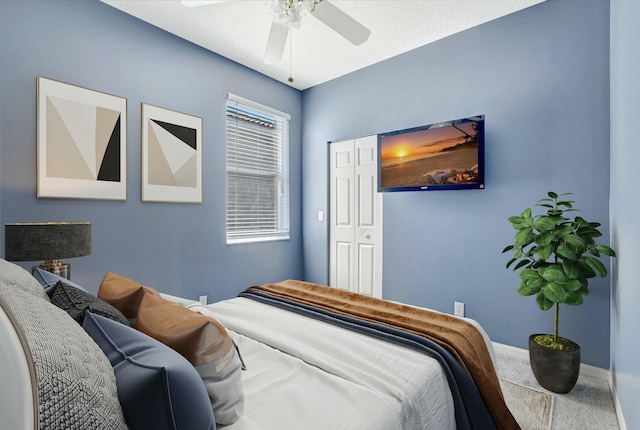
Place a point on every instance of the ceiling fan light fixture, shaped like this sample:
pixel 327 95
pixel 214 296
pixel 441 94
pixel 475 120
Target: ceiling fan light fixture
pixel 294 11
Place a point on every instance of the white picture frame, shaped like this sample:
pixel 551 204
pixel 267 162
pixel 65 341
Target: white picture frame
pixel 81 142
pixel 171 156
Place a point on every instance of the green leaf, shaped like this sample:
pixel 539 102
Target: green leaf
pixel 535 282
pixel 581 222
pixel 528 222
pixel 562 231
pixel 526 213
pixel 527 290
pixel 528 274
pixel 566 203
pixel 593 251
pixel 553 195
pixel 565 252
pixel 524 237
pixel 574 299
pixel 545 205
pixel 555 212
pixel 588 232
pixel 544 238
pixel 576 241
pixel 587 271
pixel 510 262
pixel 553 273
pixel 583 281
pixel 606 250
pixel 543 302
pixel 596 266
pixel 571 285
pixel 584 291
pixel 544 223
pixel 544 252
pixel 507 248
pixel 517 222
pixel 554 292
pixel 521 263
pixel 571 269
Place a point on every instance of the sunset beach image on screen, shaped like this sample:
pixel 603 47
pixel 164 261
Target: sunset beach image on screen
pixel 446 155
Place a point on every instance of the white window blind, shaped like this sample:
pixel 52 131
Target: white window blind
pixel 257 172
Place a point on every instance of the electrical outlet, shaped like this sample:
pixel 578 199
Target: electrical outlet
pixel 203 299
pixel 458 309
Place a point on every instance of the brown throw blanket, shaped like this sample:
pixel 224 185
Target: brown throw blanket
pixel 461 339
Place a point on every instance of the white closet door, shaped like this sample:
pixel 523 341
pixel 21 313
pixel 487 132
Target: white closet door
pixel 341 216
pixel 355 217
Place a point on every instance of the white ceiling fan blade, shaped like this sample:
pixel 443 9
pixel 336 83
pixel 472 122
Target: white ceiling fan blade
pixel 341 23
pixel 197 3
pixel 276 42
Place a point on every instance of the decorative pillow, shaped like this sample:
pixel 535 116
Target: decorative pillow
pixel 76 384
pixel 15 276
pixel 75 302
pixel 206 344
pixel 158 388
pixel 124 294
pixel 49 281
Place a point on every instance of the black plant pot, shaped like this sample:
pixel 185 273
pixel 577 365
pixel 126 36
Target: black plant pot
pixel 555 370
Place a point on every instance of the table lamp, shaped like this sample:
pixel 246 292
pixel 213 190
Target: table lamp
pixel 48 242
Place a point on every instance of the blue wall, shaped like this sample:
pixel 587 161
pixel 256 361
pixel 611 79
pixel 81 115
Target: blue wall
pixel 541 78
pixel 177 248
pixel 625 206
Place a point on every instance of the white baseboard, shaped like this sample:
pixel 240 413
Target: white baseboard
pixel 616 404
pixel 523 354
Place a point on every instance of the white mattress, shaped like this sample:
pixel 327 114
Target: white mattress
pixel 307 374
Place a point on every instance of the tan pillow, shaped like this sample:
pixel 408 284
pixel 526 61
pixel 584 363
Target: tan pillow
pixel 205 343
pixel 124 294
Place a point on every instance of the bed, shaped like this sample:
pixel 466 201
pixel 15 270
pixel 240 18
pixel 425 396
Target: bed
pixel 301 360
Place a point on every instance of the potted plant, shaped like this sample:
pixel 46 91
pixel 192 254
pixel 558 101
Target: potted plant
pixel 556 256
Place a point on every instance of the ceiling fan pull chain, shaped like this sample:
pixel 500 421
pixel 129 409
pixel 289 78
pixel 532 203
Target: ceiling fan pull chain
pixel 290 51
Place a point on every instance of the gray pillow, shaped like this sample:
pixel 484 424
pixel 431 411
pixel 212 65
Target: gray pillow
pixel 76 384
pixel 158 388
pixel 15 276
pixel 75 302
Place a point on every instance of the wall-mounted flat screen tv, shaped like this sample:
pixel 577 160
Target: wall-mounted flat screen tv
pixel 443 156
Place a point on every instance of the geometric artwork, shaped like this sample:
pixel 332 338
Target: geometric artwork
pixel 171 156
pixel 81 142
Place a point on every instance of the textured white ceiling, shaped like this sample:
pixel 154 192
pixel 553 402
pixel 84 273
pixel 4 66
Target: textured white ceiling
pixel 239 31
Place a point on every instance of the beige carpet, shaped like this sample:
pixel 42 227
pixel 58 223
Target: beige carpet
pixel 533 409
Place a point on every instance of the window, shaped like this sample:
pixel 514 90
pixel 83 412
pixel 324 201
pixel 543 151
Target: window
pixel 257 172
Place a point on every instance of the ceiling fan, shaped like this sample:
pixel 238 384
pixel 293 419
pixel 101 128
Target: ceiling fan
pixel 289 13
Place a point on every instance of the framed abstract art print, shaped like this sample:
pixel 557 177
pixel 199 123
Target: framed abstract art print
pixel 171 156
pixel 82 142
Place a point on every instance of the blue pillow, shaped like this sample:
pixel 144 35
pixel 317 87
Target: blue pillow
pixel 49 281
pixel 157 387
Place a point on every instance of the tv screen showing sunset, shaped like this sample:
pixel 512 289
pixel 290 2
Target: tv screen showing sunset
pixel 430 156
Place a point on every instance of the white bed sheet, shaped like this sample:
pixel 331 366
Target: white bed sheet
pixel 328 377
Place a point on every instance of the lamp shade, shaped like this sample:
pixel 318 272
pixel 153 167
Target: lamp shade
pixel 40 241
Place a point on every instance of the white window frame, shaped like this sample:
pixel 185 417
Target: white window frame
pixel 257 166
